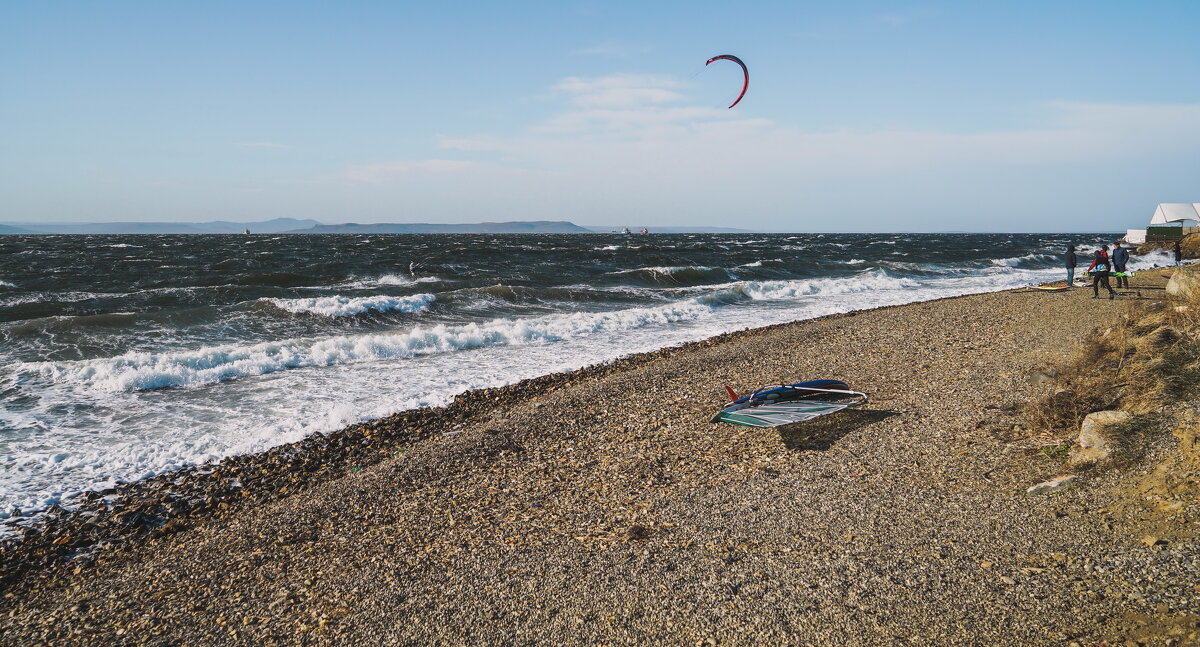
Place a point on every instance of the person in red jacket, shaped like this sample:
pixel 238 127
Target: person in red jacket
pixel 1099 270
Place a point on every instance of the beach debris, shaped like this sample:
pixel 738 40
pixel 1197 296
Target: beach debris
pixel 1095 443
pixel 637 533
pixel 1053 485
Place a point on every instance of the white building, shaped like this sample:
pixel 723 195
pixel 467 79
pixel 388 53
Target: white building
pixel 1168 216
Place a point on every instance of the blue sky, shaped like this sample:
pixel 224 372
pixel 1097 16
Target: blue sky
pixel 1006 116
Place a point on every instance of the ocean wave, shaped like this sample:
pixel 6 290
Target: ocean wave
pixel 677 275
pixel 399 279
pixel 59 297
pixel 872 281
pixel 142 371
pixel 340 306
pixel 1037 258
pixel 6 284
pixel 760 263
pixel 281 279
pixel 798 289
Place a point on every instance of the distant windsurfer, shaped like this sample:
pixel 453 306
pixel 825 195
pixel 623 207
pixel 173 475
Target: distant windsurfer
pixel 412 268
pixel 1099 272
pixel 1120 258
pixel 1072 263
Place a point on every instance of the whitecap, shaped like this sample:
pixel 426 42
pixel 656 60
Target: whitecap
pixel 340 306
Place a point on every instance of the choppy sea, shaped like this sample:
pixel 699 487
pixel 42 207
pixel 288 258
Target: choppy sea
pixel 126 356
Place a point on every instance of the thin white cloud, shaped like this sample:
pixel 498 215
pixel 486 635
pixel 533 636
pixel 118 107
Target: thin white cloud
pixel 636 144
pixel 620 91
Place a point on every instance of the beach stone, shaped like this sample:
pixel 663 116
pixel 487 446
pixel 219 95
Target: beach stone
pixel 1184 283
pixel 1038 377
pixel 637 533
pixel 1045 487
pixel 1095 443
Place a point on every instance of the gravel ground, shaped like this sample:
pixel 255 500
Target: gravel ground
pixel 602 507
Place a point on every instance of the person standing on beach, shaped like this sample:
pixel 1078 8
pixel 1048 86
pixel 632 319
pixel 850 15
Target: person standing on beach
pixel 1178 254
pixel 1099 271
pixel 1120 258
pixel 1071 263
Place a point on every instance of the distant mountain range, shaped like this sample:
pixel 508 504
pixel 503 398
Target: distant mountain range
pixel 294 226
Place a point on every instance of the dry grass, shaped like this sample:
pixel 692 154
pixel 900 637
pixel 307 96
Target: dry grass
pixel 1142 364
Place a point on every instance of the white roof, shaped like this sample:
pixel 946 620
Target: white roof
pixel 1175 212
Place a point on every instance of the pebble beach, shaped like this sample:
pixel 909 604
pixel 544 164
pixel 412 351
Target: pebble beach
pixel 602 507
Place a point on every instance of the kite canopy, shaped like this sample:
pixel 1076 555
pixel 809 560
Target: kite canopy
pixel 746 72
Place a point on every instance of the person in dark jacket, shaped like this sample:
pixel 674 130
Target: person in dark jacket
pixel 1099 272
pixel 1178 255
pixel 1120 258
pixel 1071 264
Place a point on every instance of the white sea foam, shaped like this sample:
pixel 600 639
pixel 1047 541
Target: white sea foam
pixel 340 306
pixel 140 371
pixel 6 284
pixel 664 270
pixel 1017 261
pixel 871 281
pixel 395 279
pixel 759 263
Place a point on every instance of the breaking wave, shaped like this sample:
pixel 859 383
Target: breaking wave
pixel 147 371
pixel 1034 260
pixel 339 306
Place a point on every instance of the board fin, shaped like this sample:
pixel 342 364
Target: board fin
pixel 732 394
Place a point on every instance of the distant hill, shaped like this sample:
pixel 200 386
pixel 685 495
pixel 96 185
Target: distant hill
pixel 530 227
pixel 6 229
pixel 600 229
pixel 274 226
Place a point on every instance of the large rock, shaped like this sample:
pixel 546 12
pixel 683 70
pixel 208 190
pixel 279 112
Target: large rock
pixel 1184 283
pixel 1189 245
pixel 1096 443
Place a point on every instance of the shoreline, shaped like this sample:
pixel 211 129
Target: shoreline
pixel 516 512
pixel 162 504
pixel 48 492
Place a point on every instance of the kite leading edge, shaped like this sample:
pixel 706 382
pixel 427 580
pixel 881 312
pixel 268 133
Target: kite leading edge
pixel 746 72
